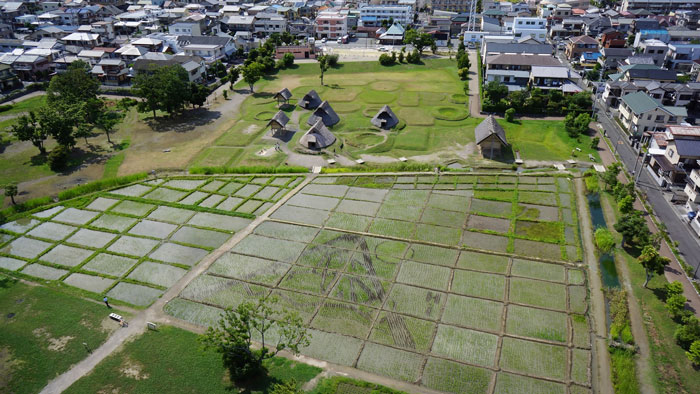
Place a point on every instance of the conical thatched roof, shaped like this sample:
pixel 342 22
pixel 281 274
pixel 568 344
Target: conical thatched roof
pixel 489 127
pixel 317 137
pixel 385 118
pixel 284 94
pixel 280 118
pixel 326 113
pixel 310 100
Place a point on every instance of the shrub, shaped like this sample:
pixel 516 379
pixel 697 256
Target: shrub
pixel 100 185
pixel 286 61
pixel 673 288
pixel 604 240
pixel 693 353
pixel 591 183
pixel 463 73
pixel 510 115
pixel 626 204
pixel 688 332
pixel 332 60
pixel 386 60
pixel 675 304
pixel 58 158
pixel 594 142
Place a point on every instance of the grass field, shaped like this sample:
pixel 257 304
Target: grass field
pixel 39 340
pixel 170 360
pixel 427 99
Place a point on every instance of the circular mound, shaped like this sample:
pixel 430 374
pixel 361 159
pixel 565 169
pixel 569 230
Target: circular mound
pixel 364 140
pixel 345 108
pixel 264 115
pixel 370 111
pixel 450 113
pixel 459 98
pixel 386 86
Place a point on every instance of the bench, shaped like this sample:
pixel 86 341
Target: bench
pixel 116 317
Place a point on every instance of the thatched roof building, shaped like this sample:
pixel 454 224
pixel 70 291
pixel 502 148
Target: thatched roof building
pixel 283 96
pixel 310 100
pixel 278 123
pixel 385 118
pixel 318 137
pixel 490 137
pixel 326 113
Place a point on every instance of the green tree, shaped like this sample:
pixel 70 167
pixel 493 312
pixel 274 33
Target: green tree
pixel 107 121
pixel 234 334
pixel 582 122
pixel 626 204
pixel 634 229
pixel 609 177
pixel 495 91
pixel 604 240
pixel 27 128
pixel 675 304
pixel 165 88
pixel 463 61
pixel 11 191
pixel 58 121
pixel 286 387
pixel 385 60
pixel 146 86
pixel 652 262
pixel 449 47
pixel 287 60
pixel 76 85
pixel 419 40
pixel 401 57
pixel 233 75
pixel 673 288
pixel 693 353
pixel 594 142
pixel 510 115
pixel 322 65
pixel 433 47
pixel 199 94
pixel 252 74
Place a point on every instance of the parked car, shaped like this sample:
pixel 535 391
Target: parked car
pixel 324 40
pixel 383 49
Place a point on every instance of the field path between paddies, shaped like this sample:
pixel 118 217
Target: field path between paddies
pixel 137 324
pixel 601 378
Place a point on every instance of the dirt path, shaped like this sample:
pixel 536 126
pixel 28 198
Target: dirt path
pixel 602 382
pixel 474 99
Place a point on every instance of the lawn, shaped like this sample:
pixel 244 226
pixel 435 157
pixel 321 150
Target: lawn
pixel 42 333
pixel 30 104
pixel 171 360
pixel 428 99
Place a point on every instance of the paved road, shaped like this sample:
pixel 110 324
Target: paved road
pixel 689 247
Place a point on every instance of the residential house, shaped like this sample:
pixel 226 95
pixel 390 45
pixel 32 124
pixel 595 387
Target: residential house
pixel 236 23
pixel 129 52
pixel 278 124
pixel 640 113
pixel 451 5
pixel 655 34
pixel 194 65
pixel 331 24
pixel 515 70
pixel 92 57
pixel 394 35
pixel 612 57
pixel 299 51
pixel 325 113
pixel 684 36
pixel 9 10
pixel 642 72
pixel 660 7
pixel 613 39
pixel 8 79
pixel 665 93
pixel 31 67
pixel 560 78
pixel 597 25
pixel 656 49
pixel 111 71
pixel 76 42
pixel 385 118
pixel 576 46
pixel 269 23
pixel 193 25
pixel 530 26
pixel 209 48
pixel 674 152
pixel 680 57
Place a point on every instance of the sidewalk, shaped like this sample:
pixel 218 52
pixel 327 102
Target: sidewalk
pixel 673 271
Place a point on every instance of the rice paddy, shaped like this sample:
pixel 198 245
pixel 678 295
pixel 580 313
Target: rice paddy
pixel 419 277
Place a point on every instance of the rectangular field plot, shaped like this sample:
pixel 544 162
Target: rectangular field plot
pixel 361 290
pixel 387 361
pixel 473 312
pixel 484 241
pixel 248 268
pixel 537 323
pixel 193 312
pixel 537 270
pixel 336 348
pixel 513 384
pixel 479 284
pixel 483 262
pixel 424 275
pixel 470 346
pixel 532 358
pixel 402 331
pixel 452 377
pixel 343 318
pixel 157 274
pixel 415 301
pixel 537 293
pixel 134 294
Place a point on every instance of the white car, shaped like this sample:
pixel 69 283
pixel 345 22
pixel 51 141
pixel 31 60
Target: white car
pixel 324 40
pixel 383 49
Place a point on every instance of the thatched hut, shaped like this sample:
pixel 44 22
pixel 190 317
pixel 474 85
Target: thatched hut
pixel 324 112
pixel 385 118
pixel 490 137
pixel 318 137
pixel 310 100
pixel 278 123
pixel 283 96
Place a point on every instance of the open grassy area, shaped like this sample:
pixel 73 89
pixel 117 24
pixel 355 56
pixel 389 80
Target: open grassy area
pixel 27 105
pixel 170 360
pixel 428 99
pixel 42 333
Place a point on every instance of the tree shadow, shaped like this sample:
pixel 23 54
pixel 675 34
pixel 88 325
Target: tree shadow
pixel 185 121
pixel 38 160
pixel 288 107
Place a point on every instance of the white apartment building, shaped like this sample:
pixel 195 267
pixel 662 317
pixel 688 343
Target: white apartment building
pixel 373 15
pixel 331 24
pixel 528 26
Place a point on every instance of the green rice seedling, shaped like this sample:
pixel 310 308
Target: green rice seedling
pixel 473 312
pixel 491 208
pixel 538 270
pixel 451 377
pixel 382 247
pixel 470 346
pixel 361 290
pixel 270 248
pixel 483 262
pixel 346 221
pixel 581 366
pixel 526 247
pixel 415 301
pixel 134 294
pixel 438 234
pixel 312 280
pixel 444 218
pixel 449 202
pixel 541 198
pixel 335 348
pixel 398 211
pixel 479 240
pixel 537 323
pixel 533 358
pixel 514 384
pixel 364 263
pixel 396 364
pixel 43 271
pixel 193 312
pixel 222 292
pixel 402 331
pixel 424 275
pixel 157 274
pixel 301 215
pixel 286 231
pixel 432 254
pixel 337 239
pixel 576 277
pixel 578 299
pixel 582 335
pixel 249 269
pixel 479 284
pixel 165 194
pixel 392 228
pixel 322 256
pixel 343 318
pixel 315 202
pixel 537 293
